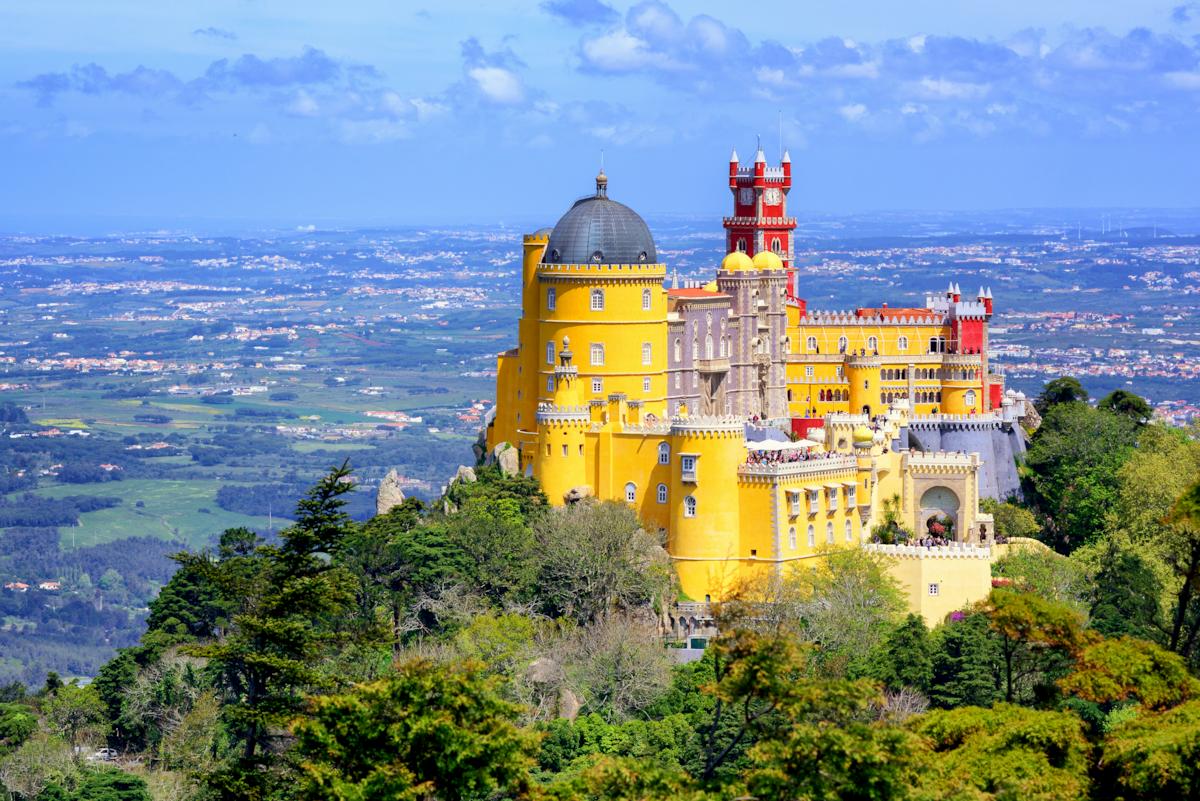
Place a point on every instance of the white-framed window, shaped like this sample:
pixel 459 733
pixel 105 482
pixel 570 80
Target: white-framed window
pixel 597 353
pixel 708 346
pixel 741 245
pixel 550 383
pixel 661 494
pixel 551 298
pixel 833 500
pixel 695 380
pixel 646 384
pixel 934 588
pixel 645 300
pixel 630 492
pixel 849 531
pixel 678 350
pixel 812 343
pixel 812 536
pixel 647 353
pixel 792 537
pixel 814 501
pixel 843 343
pixel 829 532
pixel 809 372
pixel 678 380
pixel 687 465
pixel 776 246
pixel 597 385
pixel 695 348
pixel 689 506
pixel 794 503
pixel 969 398
pixel 597 300
pixel 902 343
pixel 664 453
pixel 550 352
pixel 872 343
pixel 851 496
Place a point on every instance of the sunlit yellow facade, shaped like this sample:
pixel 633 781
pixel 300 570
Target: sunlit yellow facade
pixel 595 397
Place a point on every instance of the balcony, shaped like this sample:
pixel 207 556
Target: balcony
pixel 720 365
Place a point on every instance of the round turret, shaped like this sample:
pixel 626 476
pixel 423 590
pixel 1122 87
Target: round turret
pixel 597 230
pixel 863 437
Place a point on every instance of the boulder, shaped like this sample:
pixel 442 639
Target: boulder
pixel 576 494
pixel 508 459
pixel 465 474
pixel 568 704
pixel 389 495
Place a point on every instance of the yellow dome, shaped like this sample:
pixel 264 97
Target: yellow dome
pixel 711 286
pixel 737 261
pixel 863 436
pixel 766 260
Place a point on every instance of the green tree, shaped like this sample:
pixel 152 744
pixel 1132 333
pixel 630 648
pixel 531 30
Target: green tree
pixel 908 656
pixel 17 723
pixel 286 625
pixel 1047 574
pixel 111 784
pixel 1006 752
pixel 1072 466
pixel 41 761
pixel 966 662
pixel 1111 671
pixel 1181 544
pixel 1036 638
pixel 1066 389
pixel 424 732
pixel 497 546
pixel 1011 519
pixel 1124 597
pixel 74 713
pixel 595 558
pixel 1153 756
pixel 1126 403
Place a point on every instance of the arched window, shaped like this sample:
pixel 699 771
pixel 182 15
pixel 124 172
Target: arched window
pixel 597 353
pixel 630 492
pixel 647 353
pixel 597 300
pixel 969 398
pixel 708 346
pixel 645 300
pixel 664 453
pixel 678 351
pixel 551 298
pixel 872 343
pixel 776 246
pixel 661 495
pixel 812 343
pixel 792 537
pixel 695 348
pixel 849 531
pixel 902 343
pixel 550 352
pixel 689 506
pixel 741 245
pixel 812 536
pixel 829 532
pixel 843 343
pixel 933 344
pixel 723 351
pixel 550 383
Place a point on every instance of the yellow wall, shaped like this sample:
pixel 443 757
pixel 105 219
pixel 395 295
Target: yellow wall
pixel 960 581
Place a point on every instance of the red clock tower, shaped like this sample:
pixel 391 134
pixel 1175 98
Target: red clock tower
pixel 760 220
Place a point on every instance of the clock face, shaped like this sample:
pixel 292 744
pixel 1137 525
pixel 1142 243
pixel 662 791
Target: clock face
pixel 773 197
pixel 746 196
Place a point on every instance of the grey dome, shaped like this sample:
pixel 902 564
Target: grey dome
pixel 600 231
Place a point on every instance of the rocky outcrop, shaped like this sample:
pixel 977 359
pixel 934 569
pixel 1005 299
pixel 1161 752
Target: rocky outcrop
pixel 507 459
pixel 576 494
pixel 465 474
pixel 389 495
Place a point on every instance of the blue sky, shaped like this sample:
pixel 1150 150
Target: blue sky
pixel 355 113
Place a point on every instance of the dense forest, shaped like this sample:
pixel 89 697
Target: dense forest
pixel 488 646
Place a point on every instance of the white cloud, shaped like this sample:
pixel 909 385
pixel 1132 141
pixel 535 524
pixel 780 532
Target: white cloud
pixel 373 132
pixel 498 84
pixel 853 112
pixel 1183 80
pixel 303 105
pixel 941 88
pixel 621 51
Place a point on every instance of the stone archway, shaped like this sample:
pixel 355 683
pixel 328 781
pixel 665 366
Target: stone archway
pixel 939 502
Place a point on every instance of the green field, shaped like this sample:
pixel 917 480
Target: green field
pixel 171 510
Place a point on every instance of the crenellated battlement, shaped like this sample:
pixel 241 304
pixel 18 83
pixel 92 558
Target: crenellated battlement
pixel 709 425
pixel 956 550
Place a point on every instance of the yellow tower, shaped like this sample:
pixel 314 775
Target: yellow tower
pixel 862 374
pixel 705 516
pixel 562 423
pixel 600 283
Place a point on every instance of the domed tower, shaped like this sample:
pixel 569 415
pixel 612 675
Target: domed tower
pixel 563 421
pixel 602 286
